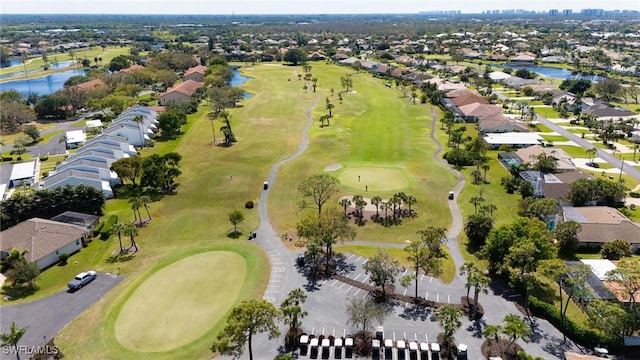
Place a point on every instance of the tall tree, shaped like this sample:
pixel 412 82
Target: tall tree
pixel 449 318
pixel 291 312
pixel 236 217
pixel 13 337
pixel 136 204
pixel 319 188
pixel 131 231
pixel 425 254
pixel 145 200
pixel 325 229
pixel 248 318
pixel 567 236
pixel 119 229
pixel 364 313
pixel 382 270
pixel 128 168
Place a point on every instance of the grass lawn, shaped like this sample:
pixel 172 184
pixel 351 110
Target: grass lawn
pixel 547 112
pixel 374 128
pixel 35 63
pixel 553 137
pixel 162 314
pixel 448 267
pixel 575 151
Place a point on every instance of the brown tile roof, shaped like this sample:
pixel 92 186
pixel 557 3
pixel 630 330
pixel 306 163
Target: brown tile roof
pixel 496 120
pixel 131 68
pixel 477 109
pixel 187 87
pixel 469 99
pixel 601 224
pixel 200 69
pixel 88 85
pixel 459 93
pixel 41 237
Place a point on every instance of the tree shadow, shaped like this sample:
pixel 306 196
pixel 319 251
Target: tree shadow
pixel 556 347
pixel 119 258
pixel 476 328
pixel 234 234
pixel 416 312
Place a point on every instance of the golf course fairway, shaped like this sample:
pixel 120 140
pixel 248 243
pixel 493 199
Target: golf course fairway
pixel 181 302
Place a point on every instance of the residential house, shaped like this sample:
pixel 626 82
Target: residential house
pixel 564 161
pixel 512 139
pixel 195 73
pixel 498 123
pixel 75 138
pixel 602 224
pixel 104 148
pixel 79 219
pixel 76 177
pixel 22 174
pixel 180 93
pixel 44 240
pixel 604 111
pixel 88 85
pixel 523 59
pixel 554 186
pixel 565 97
pixel 81 163
pixel 114 140
pixel 473 112
pixel 130 131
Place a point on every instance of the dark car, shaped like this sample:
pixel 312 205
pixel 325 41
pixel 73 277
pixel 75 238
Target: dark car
pixel 450 195
pixel 252 235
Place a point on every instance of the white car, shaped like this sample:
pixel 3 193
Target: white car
pixel 82 279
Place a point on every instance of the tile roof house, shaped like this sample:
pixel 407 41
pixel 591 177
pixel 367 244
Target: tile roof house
pixel 603 111
pixel 602 224
pixel 473 112
pixel 469 99
pixel 45 240
pixel 554 186
pixel 180 93
pixel 498 123
pixel 564 161
pixel 89 85
pixel 195 73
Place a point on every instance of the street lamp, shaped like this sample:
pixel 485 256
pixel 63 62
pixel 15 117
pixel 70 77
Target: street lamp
pixel 621 167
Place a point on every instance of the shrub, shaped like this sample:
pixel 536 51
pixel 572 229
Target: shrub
pixel 44 158
pixel 96 230
pixel 578 333
pixel 45 174
pixel 7 158
pixel 632 207
pixel 632 194
pixel 106 229
pixel 249 204
pixel 63 258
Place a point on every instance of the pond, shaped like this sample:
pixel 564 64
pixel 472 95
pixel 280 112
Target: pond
pixel 44 85
pixel 56 65
pixel 10 63
pixel 555 73
pixel 238 80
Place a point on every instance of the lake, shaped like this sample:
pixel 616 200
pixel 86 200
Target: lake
pixel 51 83
pixel 44 85
pixel 57 65
pixel 555 73
pixel 238 80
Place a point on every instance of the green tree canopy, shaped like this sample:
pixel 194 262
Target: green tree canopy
pixel 382 270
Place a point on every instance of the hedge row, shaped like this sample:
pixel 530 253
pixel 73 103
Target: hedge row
pixel 576 332
pixel 106 229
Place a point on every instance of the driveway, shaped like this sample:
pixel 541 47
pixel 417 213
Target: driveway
pixel 46 317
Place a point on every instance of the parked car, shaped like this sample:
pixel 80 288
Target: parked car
pixel 82 279
pixel 450 195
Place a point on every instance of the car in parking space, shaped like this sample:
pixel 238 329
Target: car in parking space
pixel 82 279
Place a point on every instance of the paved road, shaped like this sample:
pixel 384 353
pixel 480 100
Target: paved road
pixel 617 163
pixel 46 317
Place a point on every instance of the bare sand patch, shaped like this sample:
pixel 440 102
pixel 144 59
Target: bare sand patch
pixel 333 167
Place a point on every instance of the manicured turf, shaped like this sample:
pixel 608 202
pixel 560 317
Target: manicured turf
pixel 375 178
pixel 178 303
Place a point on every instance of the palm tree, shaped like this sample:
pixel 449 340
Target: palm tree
pixel 119 229
pixel 493 332
pixel 314 84
pixel 468 268
pixel 145 200
pixel 476 200
pixel 488 209
pixel 345 202
pixel 410 200
pixel 449 319
pixel 480 284
pixel 592 154
pixel 486 168
pixel 132 231
pixel 13 337
pixel 135 206
pixel 291 313
pixel 330 107
pixel 516 328
pixel 376 201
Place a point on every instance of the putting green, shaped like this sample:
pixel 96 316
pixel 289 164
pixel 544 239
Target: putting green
pixel 180 302
pixel 374 178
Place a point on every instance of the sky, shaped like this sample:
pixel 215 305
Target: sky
pixel 222 7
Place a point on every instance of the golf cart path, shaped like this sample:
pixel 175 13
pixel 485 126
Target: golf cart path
pixel 283 275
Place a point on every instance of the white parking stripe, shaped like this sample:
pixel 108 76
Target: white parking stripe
pixel 357 292
pixel 421 277
pixel 430 279
pixel 426 296
pixel 352 255
pixel 365 294
pixel 343 284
